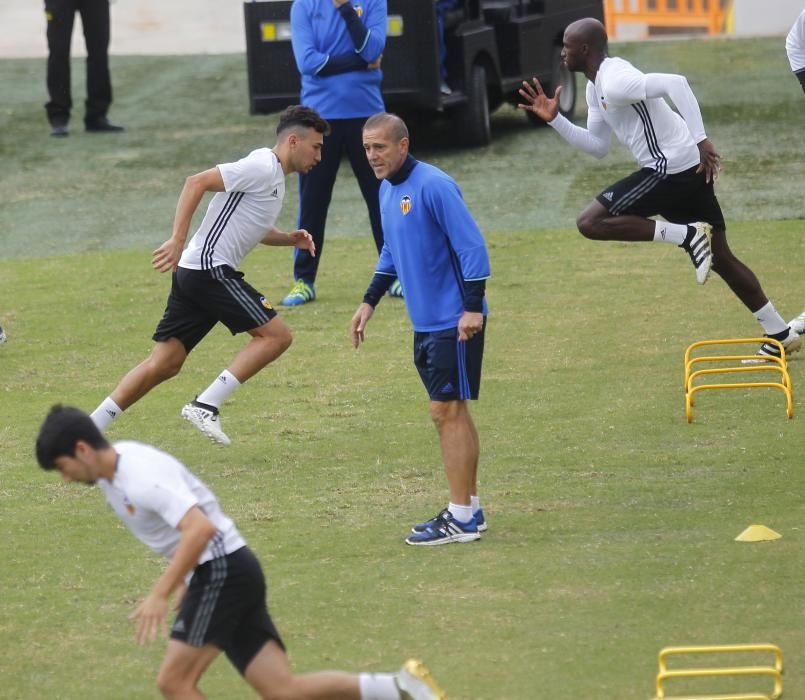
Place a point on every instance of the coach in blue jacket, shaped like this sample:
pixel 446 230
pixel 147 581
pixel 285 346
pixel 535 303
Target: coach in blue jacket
pixel 433 245
pixel 338 46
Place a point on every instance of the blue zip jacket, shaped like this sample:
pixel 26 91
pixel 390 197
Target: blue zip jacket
pixel 332 47
pixel 432 243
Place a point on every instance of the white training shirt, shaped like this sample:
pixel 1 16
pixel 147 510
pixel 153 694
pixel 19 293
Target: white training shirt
pixel 795 44
pixel 632 104
pixel 240 217
pixel 152 491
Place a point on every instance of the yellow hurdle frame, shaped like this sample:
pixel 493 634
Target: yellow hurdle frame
pixel 774 671
pixel 764 364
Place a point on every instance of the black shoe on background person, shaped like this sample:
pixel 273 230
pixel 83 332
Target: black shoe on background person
pixel 102 125
pixel 59 129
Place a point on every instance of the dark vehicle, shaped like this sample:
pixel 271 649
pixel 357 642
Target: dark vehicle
pixel 492 46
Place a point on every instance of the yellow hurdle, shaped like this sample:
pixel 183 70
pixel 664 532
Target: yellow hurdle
pixel 760 364
pixel 774 671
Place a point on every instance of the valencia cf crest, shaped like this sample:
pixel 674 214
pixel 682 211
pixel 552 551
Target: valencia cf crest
pixel 405 205
pixel 358 10
pixel 129 505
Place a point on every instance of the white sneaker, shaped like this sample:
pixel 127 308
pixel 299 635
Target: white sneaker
pixel 2 336
pixel 207 419
pixel 416 682
pixel 795 324
pixel 700 250
pixel 792 343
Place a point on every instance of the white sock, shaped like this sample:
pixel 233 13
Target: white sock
pixel 771 321
pixel 378 686
pixel 105 413
pixel 475 503
pixel 670 233
pixel 217 392
pixel 461 513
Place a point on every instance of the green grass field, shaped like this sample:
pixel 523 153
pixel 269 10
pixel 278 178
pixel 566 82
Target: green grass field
pixel 612 521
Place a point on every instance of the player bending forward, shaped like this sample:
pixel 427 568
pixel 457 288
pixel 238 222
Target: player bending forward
pixel 216 579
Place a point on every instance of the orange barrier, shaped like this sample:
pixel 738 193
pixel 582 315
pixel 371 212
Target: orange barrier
pixel 709 15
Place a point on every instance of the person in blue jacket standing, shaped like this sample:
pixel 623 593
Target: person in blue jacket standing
pixel 338 46
pixel 434 246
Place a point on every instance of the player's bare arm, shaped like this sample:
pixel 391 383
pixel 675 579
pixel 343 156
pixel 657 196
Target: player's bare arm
pixel 166 257
pixel 299 239
pixel 710 160
pixel 196 532
pixel 359 321
pixel 546 108
pixel 470 323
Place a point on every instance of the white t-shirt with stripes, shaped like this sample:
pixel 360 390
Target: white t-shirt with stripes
pixel 795 44
pixel 152 491
pixel 657 136
pixel 240 217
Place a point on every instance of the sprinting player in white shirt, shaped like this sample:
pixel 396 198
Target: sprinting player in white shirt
pixel 217 581
pixel 678 166
pixel 207 287
pixel 795 48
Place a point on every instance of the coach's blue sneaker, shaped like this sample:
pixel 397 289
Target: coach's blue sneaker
pixel 480 521
pixel 443 529
pixel 415 682
pixel 396 290
pixel 301 293
pixel 698 246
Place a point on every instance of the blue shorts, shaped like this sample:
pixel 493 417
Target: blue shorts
pixel 449 369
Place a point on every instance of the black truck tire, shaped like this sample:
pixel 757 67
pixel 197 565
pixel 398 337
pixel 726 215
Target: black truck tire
pixel 472 118
pixel 560 75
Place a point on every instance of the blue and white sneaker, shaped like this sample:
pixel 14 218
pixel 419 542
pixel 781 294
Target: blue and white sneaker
pixel 443 529
pixel 301 293
pixel 480 521
pixel 396 290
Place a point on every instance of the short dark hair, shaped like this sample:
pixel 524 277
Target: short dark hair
pixel 62 429
pixel 297 116
pixel 394 125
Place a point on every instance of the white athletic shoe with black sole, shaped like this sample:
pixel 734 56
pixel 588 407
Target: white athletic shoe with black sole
pixel 207 419
pixel 798 324
pixel 700 249
pixel 792 343
pixel 416 682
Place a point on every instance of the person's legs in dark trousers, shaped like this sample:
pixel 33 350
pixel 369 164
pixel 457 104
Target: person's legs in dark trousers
pixel 95 19
pixel 60 16
pixel 315 192
pixel 367 181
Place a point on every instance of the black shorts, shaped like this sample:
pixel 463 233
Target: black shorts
pixel 681 198
pixel 450 369
pixel 801 75
pixel 225 605
pixel 201 298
